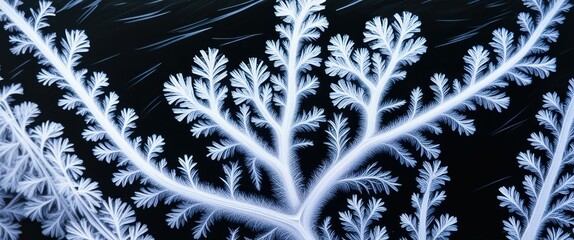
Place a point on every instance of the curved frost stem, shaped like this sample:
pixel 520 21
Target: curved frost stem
pixel 355 155
pixel 114 135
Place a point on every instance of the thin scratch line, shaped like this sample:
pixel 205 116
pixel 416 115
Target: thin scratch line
pixel 17 73
pixel 470 33
pixel 236 5
pixel 69 5
pixel 491 183
pixel 154 2
pixel 137 79
pixel 89 10
pixel 106 59
pixel 237 39
pixel 143 17
pixel 209 21
pixel 152 105
pixel 349 5
pixel 512 127
pixel 19 66
pixel 504 127
pixel 171 40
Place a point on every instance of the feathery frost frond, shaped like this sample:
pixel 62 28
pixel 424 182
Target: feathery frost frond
pixel 545 210
pixel 368 73
pixel 232 177
pixel 259 114
pixel 393 45
pixel 372 179
pixel 111 128
pixel 423 224
pixel 358 220
pixel 10 214
pixel 42 168
pixel 338 136
pixel 326 231
pixel 273 102
pixel 121 219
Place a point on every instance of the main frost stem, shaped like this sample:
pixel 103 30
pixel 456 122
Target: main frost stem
pixel 315 198
pixel 291 108
pixel 249 210
pixel 535 222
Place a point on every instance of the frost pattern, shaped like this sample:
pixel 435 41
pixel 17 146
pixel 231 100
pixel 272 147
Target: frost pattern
pixel 40 169
pixel 432 178
pixel 545 210
pixel 357 220
pixel 267 97
pixel 10 215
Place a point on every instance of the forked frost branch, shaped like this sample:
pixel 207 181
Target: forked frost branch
pixel 268 101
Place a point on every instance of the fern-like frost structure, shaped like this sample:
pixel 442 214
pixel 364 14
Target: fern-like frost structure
pixel 423 224
pixel 367 73
pixel 360 221
pixel 544 208
pixel 10 215
pixel 259 137
pixel 40 169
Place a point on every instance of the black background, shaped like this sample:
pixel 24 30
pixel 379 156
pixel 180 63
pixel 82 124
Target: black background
pixel 478 165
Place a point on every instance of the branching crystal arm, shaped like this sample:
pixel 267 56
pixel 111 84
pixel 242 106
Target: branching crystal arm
pixel 428 117
pixel 71 80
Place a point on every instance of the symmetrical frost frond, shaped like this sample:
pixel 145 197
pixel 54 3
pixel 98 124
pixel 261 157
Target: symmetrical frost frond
pixel 359 222
pixel 326 231
pixel 121 219
pixel 232 177
pixel 338 136
pixel 234 234
pixel 369 73
pixel 201 102
pixel 423 224
pixel 372 179
pixel 546 207
pixel 267 104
